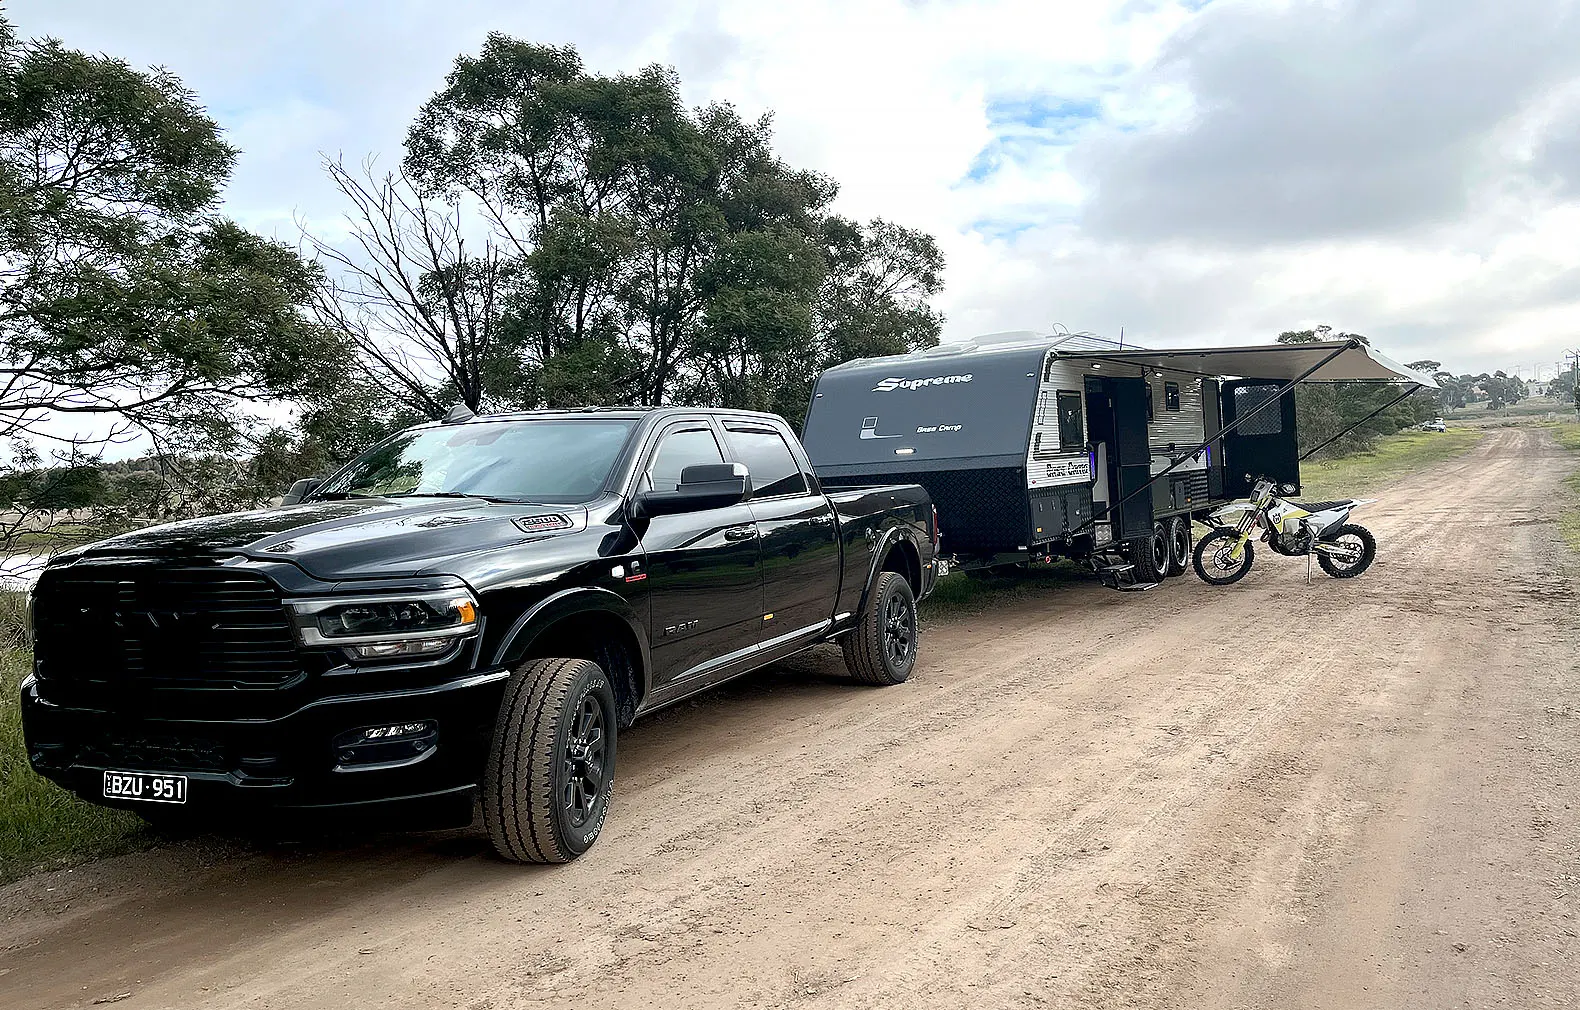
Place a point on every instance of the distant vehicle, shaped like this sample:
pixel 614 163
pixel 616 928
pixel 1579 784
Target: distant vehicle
pixel 1436 424
pixel 471 608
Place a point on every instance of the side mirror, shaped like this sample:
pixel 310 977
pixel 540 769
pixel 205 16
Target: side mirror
pixel 704 486
pixel 301 489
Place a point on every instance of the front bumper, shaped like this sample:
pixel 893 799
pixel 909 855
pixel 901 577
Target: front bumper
pixel 294 761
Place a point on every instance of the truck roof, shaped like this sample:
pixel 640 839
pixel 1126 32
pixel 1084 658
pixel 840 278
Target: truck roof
pixel 621 413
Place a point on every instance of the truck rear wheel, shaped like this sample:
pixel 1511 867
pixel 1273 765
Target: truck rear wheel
pixel 551 765
pixel 881 648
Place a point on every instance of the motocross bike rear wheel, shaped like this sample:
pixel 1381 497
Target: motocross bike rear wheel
pixel 1214 563
pixel 1359 546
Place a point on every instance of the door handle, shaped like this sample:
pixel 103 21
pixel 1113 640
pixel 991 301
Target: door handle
pixel 740 532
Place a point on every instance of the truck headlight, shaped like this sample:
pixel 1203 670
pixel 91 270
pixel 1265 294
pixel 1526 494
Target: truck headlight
pixel 387 626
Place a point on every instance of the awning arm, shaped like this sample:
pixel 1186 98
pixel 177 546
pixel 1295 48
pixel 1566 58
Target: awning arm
pixel 1414 386
pixel 1270 401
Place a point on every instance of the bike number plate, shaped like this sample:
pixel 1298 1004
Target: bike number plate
pixel 146 787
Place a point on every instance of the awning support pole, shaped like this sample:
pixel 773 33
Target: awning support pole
pixel 1291 384
pixel 1398 399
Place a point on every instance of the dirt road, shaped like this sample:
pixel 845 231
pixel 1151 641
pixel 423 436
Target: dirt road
pixel 1358 794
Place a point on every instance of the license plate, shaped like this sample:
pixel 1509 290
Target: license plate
pixel 145 786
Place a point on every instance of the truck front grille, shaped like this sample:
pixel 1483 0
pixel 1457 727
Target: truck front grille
pixel 162 626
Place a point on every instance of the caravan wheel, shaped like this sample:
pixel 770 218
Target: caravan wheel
pixel 1150 555
pixel 1179 545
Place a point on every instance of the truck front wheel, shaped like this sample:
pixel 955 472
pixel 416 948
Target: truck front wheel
pixel 881 648
pixel 551 765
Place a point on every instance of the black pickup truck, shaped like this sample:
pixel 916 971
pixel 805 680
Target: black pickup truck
pixel 469 611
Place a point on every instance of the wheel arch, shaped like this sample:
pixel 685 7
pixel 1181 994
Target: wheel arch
pixel 894 551
pixel 593 624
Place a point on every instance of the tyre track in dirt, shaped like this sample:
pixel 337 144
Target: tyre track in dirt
pixel 1196 796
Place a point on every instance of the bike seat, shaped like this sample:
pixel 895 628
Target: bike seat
pixel 1321 506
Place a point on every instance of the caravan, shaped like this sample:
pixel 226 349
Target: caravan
pixel 1073 446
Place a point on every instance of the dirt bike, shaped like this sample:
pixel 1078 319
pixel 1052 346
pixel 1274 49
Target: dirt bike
pixel 1294 529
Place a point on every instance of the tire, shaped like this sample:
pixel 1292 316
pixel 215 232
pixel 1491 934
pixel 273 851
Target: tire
pixel 1368 552
pixel 1207 550
pixel 555 735
pixel 1150 555
pixel 881 648
pixel 1179 546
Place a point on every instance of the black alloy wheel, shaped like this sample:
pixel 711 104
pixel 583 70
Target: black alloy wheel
pixel 550 771
pixel 881 648
pixel 1150 555
pixel 583 767
pixel 899 631
pixel 1179 545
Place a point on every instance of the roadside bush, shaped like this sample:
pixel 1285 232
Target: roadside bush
pixel 41 825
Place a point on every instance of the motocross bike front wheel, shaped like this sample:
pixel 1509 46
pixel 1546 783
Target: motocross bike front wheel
pixel 1353 549
pixel 1215 563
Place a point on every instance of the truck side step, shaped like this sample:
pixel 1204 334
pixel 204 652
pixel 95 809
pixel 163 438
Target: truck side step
pixel 1137 587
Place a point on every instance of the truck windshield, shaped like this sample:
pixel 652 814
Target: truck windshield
pixel 552 462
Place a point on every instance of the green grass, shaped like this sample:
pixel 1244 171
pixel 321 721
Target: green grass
pixel 42 826
pixel 1568 436
pixel 1395 457
pixel 1530 407
pixel 56 538
pixel 964 595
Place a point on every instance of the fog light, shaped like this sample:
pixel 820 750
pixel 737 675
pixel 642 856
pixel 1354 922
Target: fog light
pixel 388 746
pixel 400 729
pixel 394 650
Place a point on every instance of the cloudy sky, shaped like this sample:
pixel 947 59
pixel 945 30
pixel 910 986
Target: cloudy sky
pixel 1194 171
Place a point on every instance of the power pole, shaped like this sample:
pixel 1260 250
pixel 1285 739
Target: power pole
pixel 1574 378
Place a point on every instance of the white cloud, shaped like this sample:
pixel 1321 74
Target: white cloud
pixel 1402 168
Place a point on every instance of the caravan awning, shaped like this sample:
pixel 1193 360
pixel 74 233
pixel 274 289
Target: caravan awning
pixel 1355 362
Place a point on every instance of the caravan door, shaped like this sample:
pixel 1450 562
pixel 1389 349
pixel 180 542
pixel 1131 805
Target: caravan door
pixel 1265 445
pixel 1117 424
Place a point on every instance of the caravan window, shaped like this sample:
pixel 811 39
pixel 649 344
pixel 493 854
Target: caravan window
pixel 1266 422
pixel 1071 433
pixel 1171 396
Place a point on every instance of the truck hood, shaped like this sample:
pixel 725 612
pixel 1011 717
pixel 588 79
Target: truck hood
pixel 353 538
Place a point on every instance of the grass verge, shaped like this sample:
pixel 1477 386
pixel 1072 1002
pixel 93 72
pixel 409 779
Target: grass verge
pixel 967 594
pixel 1568 436
pixel 43 827
pixel 1396 456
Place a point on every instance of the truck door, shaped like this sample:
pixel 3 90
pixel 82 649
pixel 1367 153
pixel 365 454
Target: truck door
pixel 798 536
pixel 704 574
pixel 1263 446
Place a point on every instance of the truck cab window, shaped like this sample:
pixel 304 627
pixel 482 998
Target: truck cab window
pixel 774 470
pixel 678 450
pixel 1071 435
